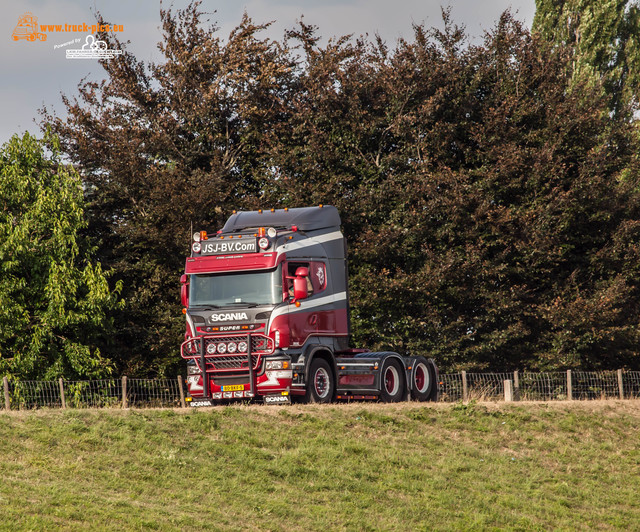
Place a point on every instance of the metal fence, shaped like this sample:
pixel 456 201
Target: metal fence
pixel 107 393
pixel 463 386
pixel 548 386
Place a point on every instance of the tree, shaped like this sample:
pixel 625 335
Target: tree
pixel 604 36
pixel 54 301
pixel 163 147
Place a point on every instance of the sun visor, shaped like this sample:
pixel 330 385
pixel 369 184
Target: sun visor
pixel 305 219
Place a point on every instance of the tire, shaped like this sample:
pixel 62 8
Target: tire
pixel 321 385
pixel 392 387
pixel 422 380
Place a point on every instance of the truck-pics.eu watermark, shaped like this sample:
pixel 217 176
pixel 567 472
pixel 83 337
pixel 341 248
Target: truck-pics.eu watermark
pixel 29 30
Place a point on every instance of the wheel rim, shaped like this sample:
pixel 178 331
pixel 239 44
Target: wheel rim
pixel 391 380
pixel 321 383
pixel 421 378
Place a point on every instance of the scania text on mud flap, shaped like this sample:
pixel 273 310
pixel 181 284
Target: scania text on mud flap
pixel 266 301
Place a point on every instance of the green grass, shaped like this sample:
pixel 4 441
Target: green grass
pixel 342 467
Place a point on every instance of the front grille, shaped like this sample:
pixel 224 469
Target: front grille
pixel 231 362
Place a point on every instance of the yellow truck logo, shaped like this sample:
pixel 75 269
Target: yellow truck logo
pixel 27 28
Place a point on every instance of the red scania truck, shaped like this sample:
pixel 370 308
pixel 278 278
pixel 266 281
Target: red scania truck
pixel 267 306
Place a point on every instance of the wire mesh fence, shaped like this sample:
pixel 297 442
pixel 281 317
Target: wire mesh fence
pixel 453 387
pixel 487 386
pixel 542 386
pixel 153 393
pixel 632 385
pixel 35 394
pixel 105 393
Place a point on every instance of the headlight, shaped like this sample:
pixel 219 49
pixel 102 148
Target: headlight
pixel 263 243
pixel 277 364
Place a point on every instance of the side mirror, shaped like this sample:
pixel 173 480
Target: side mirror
pixel 184 291
pixel 300 284
pixel 300 288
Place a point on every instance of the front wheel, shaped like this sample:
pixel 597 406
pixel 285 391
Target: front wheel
pixel 392 385
pixel 321 383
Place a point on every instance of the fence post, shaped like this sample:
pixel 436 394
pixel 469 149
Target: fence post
pixel 124 392
pixel 620 385
pixel 181 388
pixel 7 399
pixel 508 391
pixel 516 386
pixel 64 403
pixel 569 386
pixel 465 389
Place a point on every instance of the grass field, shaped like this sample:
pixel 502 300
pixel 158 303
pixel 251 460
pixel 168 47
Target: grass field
pixel 354 467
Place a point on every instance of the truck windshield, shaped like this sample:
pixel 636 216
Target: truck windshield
pixel 235 289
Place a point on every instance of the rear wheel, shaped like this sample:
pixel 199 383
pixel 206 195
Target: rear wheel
pixel 422 380
pixel 321 383
pixel 392 385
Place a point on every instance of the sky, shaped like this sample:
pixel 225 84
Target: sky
pixel 34 74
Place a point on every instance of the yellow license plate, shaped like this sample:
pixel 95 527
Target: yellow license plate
pixel 233 388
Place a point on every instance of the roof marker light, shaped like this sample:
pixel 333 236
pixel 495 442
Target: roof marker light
pixel 260 211
pixel 272 209
pixel 321 205
pixel 286 209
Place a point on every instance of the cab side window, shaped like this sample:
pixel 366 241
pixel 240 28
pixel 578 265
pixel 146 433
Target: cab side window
pixel 318 274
